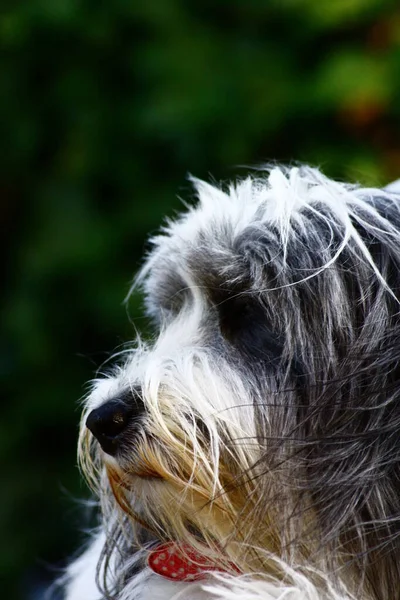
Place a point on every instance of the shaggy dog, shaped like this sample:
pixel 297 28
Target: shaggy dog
pixel 251 450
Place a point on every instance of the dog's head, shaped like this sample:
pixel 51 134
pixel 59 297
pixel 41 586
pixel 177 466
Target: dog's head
pixel 263 418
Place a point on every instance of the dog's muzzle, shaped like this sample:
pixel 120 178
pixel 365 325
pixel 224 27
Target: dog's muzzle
pixel 109 422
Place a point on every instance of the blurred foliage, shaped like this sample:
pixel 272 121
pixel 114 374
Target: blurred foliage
pixel 104 109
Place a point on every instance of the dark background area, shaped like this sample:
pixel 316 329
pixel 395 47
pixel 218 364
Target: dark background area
pixel 104 109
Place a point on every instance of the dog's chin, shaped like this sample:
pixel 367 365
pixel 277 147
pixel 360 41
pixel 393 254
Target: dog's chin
pixel 127 478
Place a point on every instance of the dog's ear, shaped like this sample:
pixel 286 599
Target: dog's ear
pixel 394 187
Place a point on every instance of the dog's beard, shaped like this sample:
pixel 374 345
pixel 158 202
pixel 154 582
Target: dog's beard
pixel 195 471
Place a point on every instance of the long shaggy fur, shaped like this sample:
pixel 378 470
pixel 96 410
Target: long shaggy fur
pixel 268 436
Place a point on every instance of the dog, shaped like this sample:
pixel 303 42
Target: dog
pixel 251 449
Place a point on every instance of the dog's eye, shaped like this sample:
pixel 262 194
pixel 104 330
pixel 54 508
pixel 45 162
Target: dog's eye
pixel 243 323
pixel 234 315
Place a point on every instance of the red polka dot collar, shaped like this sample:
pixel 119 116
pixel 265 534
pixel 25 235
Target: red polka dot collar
pixel 180 563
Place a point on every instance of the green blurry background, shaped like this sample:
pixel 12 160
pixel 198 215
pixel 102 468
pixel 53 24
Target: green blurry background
pixel 104 109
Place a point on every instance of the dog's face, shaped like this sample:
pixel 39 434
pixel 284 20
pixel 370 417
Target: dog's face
pixel 262 420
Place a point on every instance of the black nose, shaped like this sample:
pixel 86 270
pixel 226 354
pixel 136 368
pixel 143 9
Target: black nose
pixel 108 422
